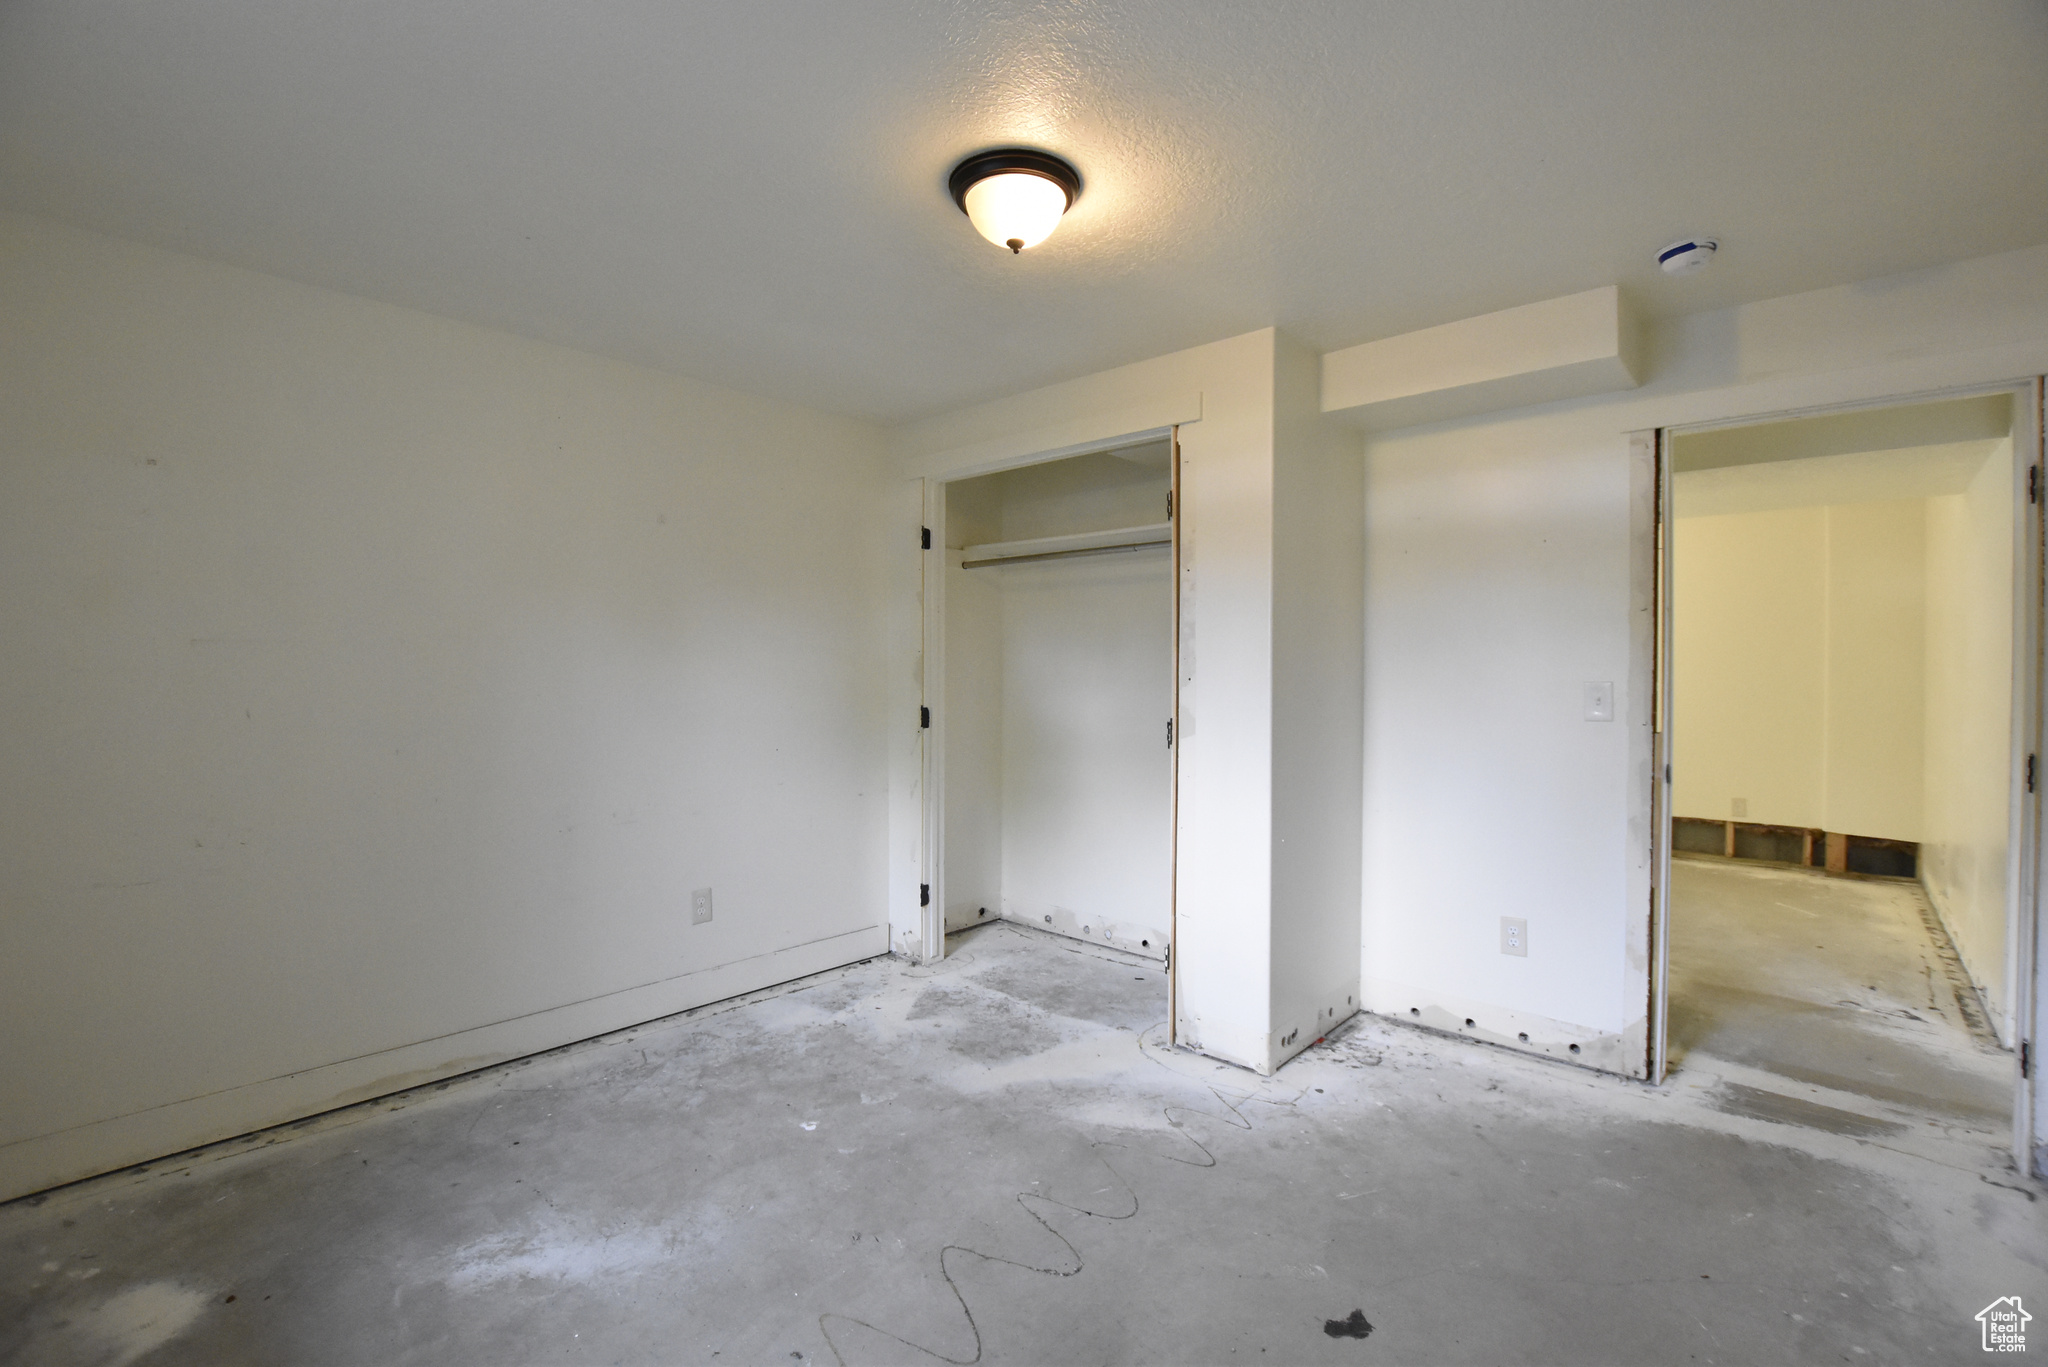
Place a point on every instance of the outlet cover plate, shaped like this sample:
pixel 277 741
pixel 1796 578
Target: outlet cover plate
pixel 1514 936
pixel 700 906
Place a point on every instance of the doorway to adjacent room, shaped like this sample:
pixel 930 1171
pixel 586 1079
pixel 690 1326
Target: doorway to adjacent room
pixel 1848 711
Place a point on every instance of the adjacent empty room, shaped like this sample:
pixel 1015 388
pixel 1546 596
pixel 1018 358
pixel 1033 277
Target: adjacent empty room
pixel 1849 759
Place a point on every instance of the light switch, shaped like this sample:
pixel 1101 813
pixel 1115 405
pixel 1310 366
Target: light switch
pixel 1599 702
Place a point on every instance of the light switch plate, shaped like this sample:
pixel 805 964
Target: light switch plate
pixel 1514 936
pixel 700 906
pixel 1599 702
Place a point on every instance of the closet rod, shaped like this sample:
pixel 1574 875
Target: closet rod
pixel 1062 555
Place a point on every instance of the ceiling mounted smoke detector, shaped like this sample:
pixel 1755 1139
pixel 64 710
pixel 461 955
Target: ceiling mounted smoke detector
pixel 1687 255
pixel 1013 195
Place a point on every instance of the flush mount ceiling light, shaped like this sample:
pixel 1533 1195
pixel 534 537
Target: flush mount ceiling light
pixel 1013 195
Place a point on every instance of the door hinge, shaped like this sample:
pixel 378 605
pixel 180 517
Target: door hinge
pixel 2033 484
pixel 2026 1058
pixel 1169 505
pixel 2030 773
pixel 924 722
pixel 1169 959
pixel 927 537
pixel 1169 733
pixel 924 894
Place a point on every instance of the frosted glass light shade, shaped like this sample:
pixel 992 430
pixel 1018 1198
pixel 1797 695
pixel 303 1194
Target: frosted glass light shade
pixel 1015 209
pixel 1014 196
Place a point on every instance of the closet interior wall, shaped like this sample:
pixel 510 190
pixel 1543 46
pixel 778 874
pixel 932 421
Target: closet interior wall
pixel 1058 687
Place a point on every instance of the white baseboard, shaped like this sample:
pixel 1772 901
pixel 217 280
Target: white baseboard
pixel 49 1160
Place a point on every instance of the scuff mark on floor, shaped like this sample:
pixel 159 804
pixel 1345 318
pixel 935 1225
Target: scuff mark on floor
pixel 557 1255
pixel 140 1320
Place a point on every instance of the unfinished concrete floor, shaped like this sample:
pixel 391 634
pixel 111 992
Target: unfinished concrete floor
pixel 1836 994
pixel 997 1159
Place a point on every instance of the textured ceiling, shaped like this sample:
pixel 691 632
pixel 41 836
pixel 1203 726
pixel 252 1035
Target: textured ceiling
pixel 754 194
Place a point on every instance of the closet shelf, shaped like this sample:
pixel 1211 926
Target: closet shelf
pixel 1155 536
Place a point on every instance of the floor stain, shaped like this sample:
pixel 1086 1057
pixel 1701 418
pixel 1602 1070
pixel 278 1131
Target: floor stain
pixel 1353 1326
pixel 1114 1199
pixel 1734 1098
pixel 140 1320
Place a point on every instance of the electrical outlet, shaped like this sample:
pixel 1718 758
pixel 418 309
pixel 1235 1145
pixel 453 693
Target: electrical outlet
pixel 1514 936
pixel 1739 808
pixel 700 906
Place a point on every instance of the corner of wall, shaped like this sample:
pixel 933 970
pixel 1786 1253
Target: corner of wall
pixel 1318 706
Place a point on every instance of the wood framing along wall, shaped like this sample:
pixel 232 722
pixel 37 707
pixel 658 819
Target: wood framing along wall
pixel 380 689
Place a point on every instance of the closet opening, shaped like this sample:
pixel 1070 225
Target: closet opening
pixel 1848 713
pixel 1050 784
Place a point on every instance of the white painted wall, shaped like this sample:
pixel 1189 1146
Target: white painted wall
pixel 1496 586
pixel 1500 556
pixel 1965 846
pixel 1876 679
pixel 378 687
pixel 1090 493
pixel 1799 665
pixel 1749 646
pixel 1318 681
pixel 1087 686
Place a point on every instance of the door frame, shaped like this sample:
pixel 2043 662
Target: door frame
pixel 2024 870
pixel 931 674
